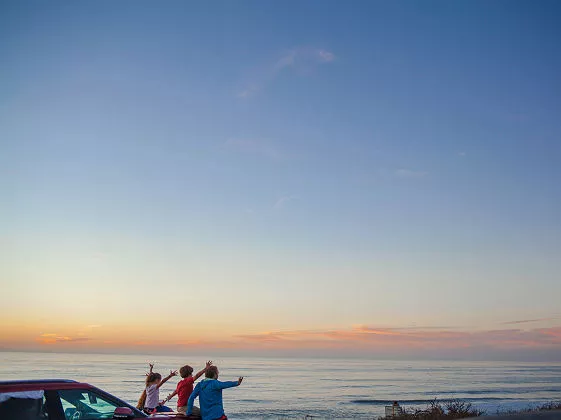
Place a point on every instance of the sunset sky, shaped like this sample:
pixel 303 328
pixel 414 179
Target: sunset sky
pixel 360 178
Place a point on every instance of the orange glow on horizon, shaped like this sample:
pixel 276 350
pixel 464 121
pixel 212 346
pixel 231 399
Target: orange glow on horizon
pixel 362 338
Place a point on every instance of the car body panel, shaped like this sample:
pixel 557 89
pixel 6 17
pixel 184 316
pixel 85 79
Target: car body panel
pixel 54 391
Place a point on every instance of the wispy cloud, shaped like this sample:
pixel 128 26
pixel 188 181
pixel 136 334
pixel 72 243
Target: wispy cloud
pixel 248 91
pixel 462 154
pixel 371 337
pixel 301 60
pixel 528 321
pixel 325 56
pixel 286 60
pixel 51 338
pixel 513 343
pixel 282 201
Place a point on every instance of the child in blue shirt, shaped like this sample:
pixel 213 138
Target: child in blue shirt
pixel 209 391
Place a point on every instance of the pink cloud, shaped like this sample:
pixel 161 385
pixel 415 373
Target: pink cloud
pixel 50 338
pixel 366 337
pixel 361 340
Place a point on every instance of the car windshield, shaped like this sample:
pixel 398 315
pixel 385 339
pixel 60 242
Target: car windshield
pixel 85 405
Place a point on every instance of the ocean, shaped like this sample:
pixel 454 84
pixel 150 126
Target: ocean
pixel 324 388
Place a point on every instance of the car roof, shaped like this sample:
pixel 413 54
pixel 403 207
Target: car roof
pixel 45 384
pixel 36 381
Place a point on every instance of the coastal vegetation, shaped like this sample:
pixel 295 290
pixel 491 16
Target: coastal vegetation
pixel 438 410
pixel 458 409
pixel 553 405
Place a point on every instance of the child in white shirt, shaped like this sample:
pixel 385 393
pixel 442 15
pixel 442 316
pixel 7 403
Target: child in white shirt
pixel 153 383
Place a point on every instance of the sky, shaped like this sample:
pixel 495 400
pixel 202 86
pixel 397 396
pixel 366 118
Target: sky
pixel 365 178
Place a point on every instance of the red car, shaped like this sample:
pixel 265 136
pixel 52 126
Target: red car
pixel 59 399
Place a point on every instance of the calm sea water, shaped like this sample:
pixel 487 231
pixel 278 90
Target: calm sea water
pixel 326 388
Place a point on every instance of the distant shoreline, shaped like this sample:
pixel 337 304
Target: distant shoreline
pixel 276 356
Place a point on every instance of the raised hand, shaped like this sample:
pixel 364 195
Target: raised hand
pixel 151 365
pixel 208 364
pixel 240 380
pixel 172 373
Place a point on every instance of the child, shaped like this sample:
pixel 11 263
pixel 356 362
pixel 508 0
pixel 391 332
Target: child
pixel 153 383
pixel 185 387
pixel 142 399
pixel 209 391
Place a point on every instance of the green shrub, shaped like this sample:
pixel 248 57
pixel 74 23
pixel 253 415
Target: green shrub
pixel 552 405
pixel 455 409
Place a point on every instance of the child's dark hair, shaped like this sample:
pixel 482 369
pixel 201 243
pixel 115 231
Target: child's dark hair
pixel 152 377
pixel 185 371
pixel 212 372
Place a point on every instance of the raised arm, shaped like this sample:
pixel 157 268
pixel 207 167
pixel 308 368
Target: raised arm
pixel 200 373
pixel 229 384
pixel 172 373
pixel 170 396
pixel 194 395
